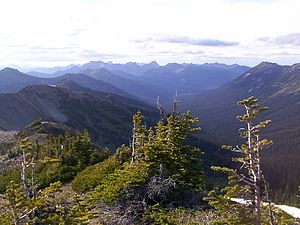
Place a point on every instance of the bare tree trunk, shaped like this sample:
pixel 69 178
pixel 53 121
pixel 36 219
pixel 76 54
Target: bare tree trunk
pixel 133 154
pixel 257 204
pixel 271 214
pixel 14 212
pixel 15 217
pixel 255 170
pixel 258 186
pixel 33 191
pixel 23 175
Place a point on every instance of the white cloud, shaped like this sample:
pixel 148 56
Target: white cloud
pixel 38 32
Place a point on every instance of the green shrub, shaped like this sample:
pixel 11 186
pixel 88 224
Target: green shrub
pixel 116 183
pixel 7 176
pixel 178 216
pixel 94 175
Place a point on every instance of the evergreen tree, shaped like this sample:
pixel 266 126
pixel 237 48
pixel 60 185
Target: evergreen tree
pixel 139 137
pixel 13 208
pixel 28 160
pixel 158 167
pixel 248 181
pixel 24 203
pixel 168 151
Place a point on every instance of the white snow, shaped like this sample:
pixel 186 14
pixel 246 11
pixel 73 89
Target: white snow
pixel 247 74
pixel 293 211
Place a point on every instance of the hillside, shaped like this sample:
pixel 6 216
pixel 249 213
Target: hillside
pixel 106 116
pixel 137 87
pixel 193 78
pixel 36 131
pixel 12 80
pixel 91 83
pixel 277 87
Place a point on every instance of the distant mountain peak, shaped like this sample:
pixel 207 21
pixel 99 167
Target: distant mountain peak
pixel 9 69
pixel 265 64
pixel 104 70
pixel 92 72
pixel 96 61
pixel 262 70
pixel 153 63
pixel 296 66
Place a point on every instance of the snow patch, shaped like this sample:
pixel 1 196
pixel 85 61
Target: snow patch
pixel 293 211
pixel 247 75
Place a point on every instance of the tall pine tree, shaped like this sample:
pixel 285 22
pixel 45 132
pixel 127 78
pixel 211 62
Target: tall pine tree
pixel 247 182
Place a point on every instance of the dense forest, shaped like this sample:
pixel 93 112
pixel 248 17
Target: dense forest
pixel 159 178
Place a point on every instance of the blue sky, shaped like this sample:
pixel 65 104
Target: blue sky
pixel 61 32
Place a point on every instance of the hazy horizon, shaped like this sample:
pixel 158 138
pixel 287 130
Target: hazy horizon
pixel 58 33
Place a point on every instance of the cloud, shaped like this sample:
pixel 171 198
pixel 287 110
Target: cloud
pixel 91 54
pixel 49 49
pixel 199 52
pixel 76 32
pixel 263 39
pixel 189 41
pixel 290 39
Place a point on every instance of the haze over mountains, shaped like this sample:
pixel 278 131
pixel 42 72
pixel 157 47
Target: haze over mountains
pixel 147 81
pixel 102 97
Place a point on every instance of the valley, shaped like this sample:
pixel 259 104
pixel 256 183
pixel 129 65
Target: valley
pixel 102 98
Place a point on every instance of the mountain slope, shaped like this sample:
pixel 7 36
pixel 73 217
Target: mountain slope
pixel 88 82
pixel 120 100
pixel 12 79
pixel 277 87
pixel 108 118
pixel 136 87
pixel 36 131
pixel 192 78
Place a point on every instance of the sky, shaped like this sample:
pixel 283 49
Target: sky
pixel 60 32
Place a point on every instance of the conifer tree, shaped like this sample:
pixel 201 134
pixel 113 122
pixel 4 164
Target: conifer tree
pixel 139 136
pixel 168 150
pixel 252 151
pixel 248 181
pixel 158 168
pixel 28 160
pixel 24 203
pixel 13 205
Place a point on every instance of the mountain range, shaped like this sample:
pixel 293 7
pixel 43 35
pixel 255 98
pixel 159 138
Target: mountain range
pixel 103 96
pixel 146 81
pixel 129 68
